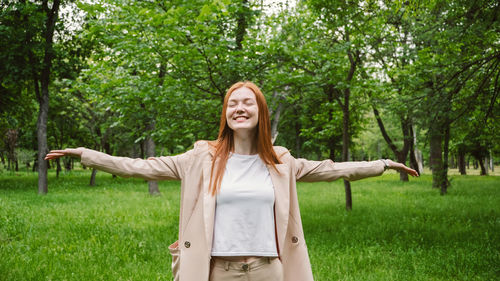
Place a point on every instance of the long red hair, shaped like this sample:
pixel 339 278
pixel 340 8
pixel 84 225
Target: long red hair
pixel 225 142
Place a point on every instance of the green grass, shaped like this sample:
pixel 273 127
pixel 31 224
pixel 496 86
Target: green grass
pixel 116 231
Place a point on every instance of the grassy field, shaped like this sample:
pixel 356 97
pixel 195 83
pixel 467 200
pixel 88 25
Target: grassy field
pixel 116 231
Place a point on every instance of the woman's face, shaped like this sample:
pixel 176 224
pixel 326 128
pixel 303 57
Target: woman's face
pixel 242 112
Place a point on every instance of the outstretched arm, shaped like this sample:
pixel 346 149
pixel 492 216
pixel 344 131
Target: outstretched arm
pixel 328 170
pixel 155 168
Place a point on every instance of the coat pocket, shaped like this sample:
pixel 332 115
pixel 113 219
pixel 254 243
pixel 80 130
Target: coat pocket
pixel 174 251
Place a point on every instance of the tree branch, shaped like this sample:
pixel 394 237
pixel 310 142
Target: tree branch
pixel 384 132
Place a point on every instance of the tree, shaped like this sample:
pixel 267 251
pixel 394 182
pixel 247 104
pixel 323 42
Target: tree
pixel 391 50
pixel 164 67
pixel 35 24
pixel 457 57
pixel 346 26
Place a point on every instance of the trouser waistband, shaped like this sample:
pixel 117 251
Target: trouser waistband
pixel 241 266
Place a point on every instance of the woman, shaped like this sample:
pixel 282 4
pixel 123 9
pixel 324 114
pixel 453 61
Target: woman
pixel 239 215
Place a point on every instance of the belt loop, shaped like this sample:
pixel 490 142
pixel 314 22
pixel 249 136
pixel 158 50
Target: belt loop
pixel 268 260
pixel 226 265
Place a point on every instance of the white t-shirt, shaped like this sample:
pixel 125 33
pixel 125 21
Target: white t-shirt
pixel 244 213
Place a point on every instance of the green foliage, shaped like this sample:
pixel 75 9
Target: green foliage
pixel 25 156
pixel 138 69
pixel 396 230
pixel 167 64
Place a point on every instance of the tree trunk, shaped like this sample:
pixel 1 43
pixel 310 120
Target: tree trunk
pixel 150 147
pixel 407 140
pixel 402 159
pixel 345 147
pixel 417 161
pixel 142 152
pixel 276 120
pixel 332 141
pixel 331 146
pixel 297 138
pixel 484 172
pixel 343 97
pixel 354 60
pixel 461 162
pixel 42 141
pixel 43 99
pixel 492 163
pixel 436 160
pixel 420 160
pixel 452 161
pixel 242 23
pixel 92 177
pixel 414 160
pixel 444 172
pixel 67 164
pixel 58 167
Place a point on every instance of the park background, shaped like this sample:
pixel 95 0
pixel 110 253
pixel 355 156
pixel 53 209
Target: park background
pixel 414 81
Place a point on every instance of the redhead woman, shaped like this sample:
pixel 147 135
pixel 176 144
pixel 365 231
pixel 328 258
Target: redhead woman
pixel 239 215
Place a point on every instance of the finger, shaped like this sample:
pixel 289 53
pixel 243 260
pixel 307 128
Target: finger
pixel 412 172
pixel 67 152
pixel 57 151
pixel 54 154
pixel 51 156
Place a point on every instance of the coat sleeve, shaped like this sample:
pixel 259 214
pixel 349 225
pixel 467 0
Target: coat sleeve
pixel 327 170
pixel 158 168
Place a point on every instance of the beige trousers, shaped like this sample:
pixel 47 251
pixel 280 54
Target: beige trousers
pixel 263 269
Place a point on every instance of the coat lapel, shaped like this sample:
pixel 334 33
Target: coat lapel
pixel 208 204
pixel 282 200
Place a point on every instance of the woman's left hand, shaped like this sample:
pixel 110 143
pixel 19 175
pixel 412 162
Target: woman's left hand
pixel 401 168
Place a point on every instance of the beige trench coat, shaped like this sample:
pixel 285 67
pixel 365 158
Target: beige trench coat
pixel 197 211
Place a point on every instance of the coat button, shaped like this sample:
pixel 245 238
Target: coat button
pixel 187 244
pixel 295 239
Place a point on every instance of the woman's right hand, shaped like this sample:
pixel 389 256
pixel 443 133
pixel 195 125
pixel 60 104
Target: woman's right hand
pixel 54 154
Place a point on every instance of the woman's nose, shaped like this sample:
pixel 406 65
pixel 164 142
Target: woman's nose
pixel 240 108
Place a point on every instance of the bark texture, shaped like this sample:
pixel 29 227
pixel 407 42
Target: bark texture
pixel 461 162
pixel 436 160
pixel 279 99
pixel 150 148
pixel 92 177
pixel 42 142
pixel 43 96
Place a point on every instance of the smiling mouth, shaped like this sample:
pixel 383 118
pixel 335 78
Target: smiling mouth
pixel 240 118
